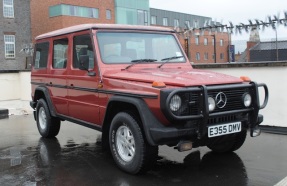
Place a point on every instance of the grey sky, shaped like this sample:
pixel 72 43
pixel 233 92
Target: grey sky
pixel 228 10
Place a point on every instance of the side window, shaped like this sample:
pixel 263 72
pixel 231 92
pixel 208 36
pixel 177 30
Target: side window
pixel 60 51
pixel 41 55
pixel 83 46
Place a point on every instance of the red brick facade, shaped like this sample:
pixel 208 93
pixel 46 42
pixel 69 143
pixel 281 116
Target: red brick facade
pixel 206 50
pixel 41 22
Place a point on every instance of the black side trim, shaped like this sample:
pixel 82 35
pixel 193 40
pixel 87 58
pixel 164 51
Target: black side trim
pixel 98 90
pixel 81 122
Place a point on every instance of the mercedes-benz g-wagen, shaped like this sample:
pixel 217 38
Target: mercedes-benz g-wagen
pixel 136 85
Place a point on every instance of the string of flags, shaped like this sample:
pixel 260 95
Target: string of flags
pixel 214 26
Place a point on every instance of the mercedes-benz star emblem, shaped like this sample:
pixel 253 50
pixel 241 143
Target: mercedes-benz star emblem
pixel 220 100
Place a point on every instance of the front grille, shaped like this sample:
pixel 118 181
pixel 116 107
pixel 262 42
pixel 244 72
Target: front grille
pixel 234 99
pixel 222 119
pixel 190 104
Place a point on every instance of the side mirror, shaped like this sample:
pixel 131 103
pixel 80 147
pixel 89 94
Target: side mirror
pixel 84 62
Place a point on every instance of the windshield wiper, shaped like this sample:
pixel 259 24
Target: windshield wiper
pixel 168 59
pixel 137 61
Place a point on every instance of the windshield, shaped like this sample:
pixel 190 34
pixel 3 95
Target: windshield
pixel 126 47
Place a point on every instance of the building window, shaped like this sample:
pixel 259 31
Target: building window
pixel 187 24
pixel 41 55
pixel 221 55
pixel 205 41
pixel 145 17
pixel 176 22
pixel 197 56
pixel 213 41
pixel 213 56
pixel 165 21
pixel 221 42
pixel 196 25
pixel 197 40
pixel 70 10
pixel 153 20
pixel 108 14
pixel 8 8
pixel 9 41
pixel 205 56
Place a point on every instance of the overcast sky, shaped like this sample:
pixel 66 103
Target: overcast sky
pixel 228 10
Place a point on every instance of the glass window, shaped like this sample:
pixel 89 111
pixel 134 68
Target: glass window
pixel 187 24
pixel 145 18
pixel 165 21
pixel 221 42
pixel 176 22
pixel 140 17
pixel 71 10
pixel 125 47
pixel 41 55
pixel 197 56
pixel 213 41
pixel 196 25
pixel 205 41
pixel 60 53
pixel 197 40
pixel 108 14
pixel 205 56
pixel 221 55
pixel 153 20
pixel 9 41
pixel 83 47
pixel 8 8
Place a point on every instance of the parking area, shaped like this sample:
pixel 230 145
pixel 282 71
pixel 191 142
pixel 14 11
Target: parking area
pixel 75 157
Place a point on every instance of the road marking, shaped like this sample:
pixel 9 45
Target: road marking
pixel 282 182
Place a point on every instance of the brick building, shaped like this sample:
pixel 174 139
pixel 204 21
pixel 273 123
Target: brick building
pixel 48 15
pixel 202 46
pixel 15 33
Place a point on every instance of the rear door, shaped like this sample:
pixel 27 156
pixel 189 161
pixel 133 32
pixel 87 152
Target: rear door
pixel 82 93
pixel 57 80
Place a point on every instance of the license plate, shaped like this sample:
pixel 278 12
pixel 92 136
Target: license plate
pixel 220 130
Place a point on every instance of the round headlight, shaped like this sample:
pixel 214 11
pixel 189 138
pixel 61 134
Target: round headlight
pixel 247 99
pixel 211 104
pixel 175 103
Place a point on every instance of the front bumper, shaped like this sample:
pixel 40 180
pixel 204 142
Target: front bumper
pixel 164 135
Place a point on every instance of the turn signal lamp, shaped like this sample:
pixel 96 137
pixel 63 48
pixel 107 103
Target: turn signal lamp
pixel 158 84
pixel 245 78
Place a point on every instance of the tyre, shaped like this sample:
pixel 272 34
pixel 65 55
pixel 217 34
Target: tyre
pixel 228 143
pixel 129 149
pixel 48 126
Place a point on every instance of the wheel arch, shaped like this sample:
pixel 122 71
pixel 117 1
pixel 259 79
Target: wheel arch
pixel 135 105
pixel 43 92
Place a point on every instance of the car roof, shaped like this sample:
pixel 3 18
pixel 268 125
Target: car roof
pixel 83 27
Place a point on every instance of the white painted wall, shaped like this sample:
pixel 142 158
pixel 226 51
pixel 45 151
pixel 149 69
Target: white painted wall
pixel 275 113
pixel 16 86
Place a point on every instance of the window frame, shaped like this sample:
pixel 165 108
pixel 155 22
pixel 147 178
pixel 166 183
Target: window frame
pixel 221 42
pixel 165 21
pixel 7 56
pixel 205 41
pixel 197 56
pixel 176 22
pixel 153 20
pixel 108 14
pixel 197 41
pixel 47 59
pixel 8 6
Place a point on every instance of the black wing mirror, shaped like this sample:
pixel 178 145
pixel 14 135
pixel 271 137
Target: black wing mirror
pixel 84 64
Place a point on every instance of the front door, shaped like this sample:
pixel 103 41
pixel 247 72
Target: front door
pixel 82 93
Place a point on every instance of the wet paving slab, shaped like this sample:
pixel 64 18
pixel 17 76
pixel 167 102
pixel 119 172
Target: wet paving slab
pixel 75 157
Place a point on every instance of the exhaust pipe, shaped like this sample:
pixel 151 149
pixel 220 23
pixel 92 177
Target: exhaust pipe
pixel 184 146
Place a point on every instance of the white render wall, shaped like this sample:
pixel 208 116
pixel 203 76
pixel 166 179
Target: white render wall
pixel 275 113
pixel 16 90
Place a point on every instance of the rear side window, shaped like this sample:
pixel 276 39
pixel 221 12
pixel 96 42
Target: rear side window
pixel 41 55
pixel 60 53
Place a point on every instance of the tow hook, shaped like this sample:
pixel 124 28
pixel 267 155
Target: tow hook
pixel 256 131
pixel 184 146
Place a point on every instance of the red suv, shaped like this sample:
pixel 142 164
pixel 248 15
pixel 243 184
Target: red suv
pixel 136 85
